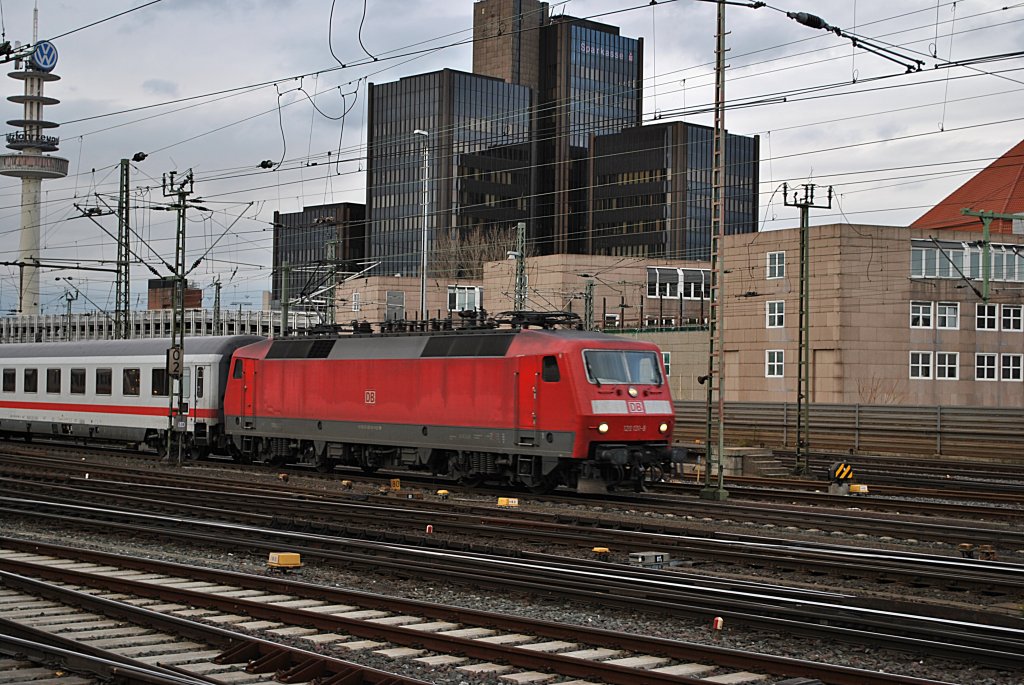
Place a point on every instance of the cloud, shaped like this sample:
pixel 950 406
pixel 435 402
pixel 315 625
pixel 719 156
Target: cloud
pixel 158 86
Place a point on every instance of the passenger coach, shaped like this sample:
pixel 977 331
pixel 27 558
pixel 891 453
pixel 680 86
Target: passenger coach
pixel 113 390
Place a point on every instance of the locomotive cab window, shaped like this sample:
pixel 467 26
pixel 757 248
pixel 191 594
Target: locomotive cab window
pixel 104 381
pixel 10 378
pixel 130 383
pixel 549 370
pixel 159 385
pixel 622 366
pixel 53 381
pixel 77 381
pixel 31 380
pixel 238 369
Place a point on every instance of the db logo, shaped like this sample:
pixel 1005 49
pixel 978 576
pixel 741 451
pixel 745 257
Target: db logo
pixel 635 407
pixel 370 397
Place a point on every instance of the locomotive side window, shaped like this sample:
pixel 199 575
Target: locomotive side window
pixel 53 381
pixel 130 383
pixel 622 366
pixel 10 378
pixel 159 378
pixel 77 381
pixel 104 381
pixel 549 370
pixel 31 380
pixel 200 377
pixel 237 373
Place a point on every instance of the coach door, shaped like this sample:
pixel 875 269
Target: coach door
pixel 201 397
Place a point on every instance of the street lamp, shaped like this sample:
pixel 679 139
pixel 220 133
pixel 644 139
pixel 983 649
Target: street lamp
pixel 426 199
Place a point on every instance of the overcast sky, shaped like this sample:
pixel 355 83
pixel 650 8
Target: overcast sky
pixel 219 86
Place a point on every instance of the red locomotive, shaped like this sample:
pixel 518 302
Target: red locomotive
pixel 532 406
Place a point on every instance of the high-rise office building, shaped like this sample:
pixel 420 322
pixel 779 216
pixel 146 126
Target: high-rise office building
pixel 314 247
pixel 456 141
pixel 506 40
pixel 651 187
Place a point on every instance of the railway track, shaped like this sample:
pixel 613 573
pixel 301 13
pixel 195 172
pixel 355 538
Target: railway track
pixel 472 641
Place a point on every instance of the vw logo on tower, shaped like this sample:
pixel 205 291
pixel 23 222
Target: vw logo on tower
pixel 44 57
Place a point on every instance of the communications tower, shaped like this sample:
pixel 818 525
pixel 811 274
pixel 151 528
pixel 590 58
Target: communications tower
pixel 30 164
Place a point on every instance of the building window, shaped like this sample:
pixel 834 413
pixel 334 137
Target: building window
pixel 947 365
pixel 947 315
pixel 356 304
pixel 666 359
pixel 775 313
pixel 1011 367
pixel 920 364
pixel 774 363
pixel 662 282
pixel 611 320
pixel 1011 317
pixel 776 265
pixel 464 298
pixel 986 317
pixel 920 314
pixel 985 367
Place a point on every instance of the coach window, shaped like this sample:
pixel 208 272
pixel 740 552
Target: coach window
pixel 31 380
pixel 104 381
pixel 10 376
pixel 53 381
pixel 200 377
pixel 186 382
pixel 159 385
pixel 549 370
pixel 130 383
pixel 77 381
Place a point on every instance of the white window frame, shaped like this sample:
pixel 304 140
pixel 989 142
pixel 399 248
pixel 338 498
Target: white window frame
pixel 947 366
pixel 471 295
pixel 356 303
pixel 947 315
pixel 986 366
pixel 1010 367
pixel 921 314
pixel 988 315
pixel 1011 314
pixel 776 318
pixel 774 363
pixel 666 360
pixel 775 265
pixel 920 361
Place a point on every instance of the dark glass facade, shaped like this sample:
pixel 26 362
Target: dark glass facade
pixel 651 191
pixel 591 84
pixel 477 144
pixel 314 244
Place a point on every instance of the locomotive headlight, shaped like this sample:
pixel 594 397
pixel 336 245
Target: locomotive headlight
pixel 602 428
pixel 633 392
pixel 663 428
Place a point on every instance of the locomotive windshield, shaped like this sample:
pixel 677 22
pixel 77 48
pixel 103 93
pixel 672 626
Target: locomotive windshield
pixel 622 366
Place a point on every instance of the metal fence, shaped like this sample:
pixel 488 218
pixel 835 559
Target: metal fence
pixel 977 432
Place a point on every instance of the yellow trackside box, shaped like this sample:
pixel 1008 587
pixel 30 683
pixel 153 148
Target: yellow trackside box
pixel 284 560
pixel 508 502
pixel 858 489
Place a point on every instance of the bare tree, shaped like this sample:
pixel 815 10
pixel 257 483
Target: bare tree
pixel 462 253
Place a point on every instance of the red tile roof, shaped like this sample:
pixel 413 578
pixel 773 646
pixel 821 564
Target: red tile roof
pixel 998 188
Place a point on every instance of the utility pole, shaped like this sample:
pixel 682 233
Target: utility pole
pixel 588 305
pixel 715 377
pixel 803 381
pixel 520 255
pixel 216 308
pixel 332 255
pixel 69 299
pixel 176 354
pixel 122 298
pixel 986 250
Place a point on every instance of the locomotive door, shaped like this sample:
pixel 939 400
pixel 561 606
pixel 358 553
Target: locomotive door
pixel 527 402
